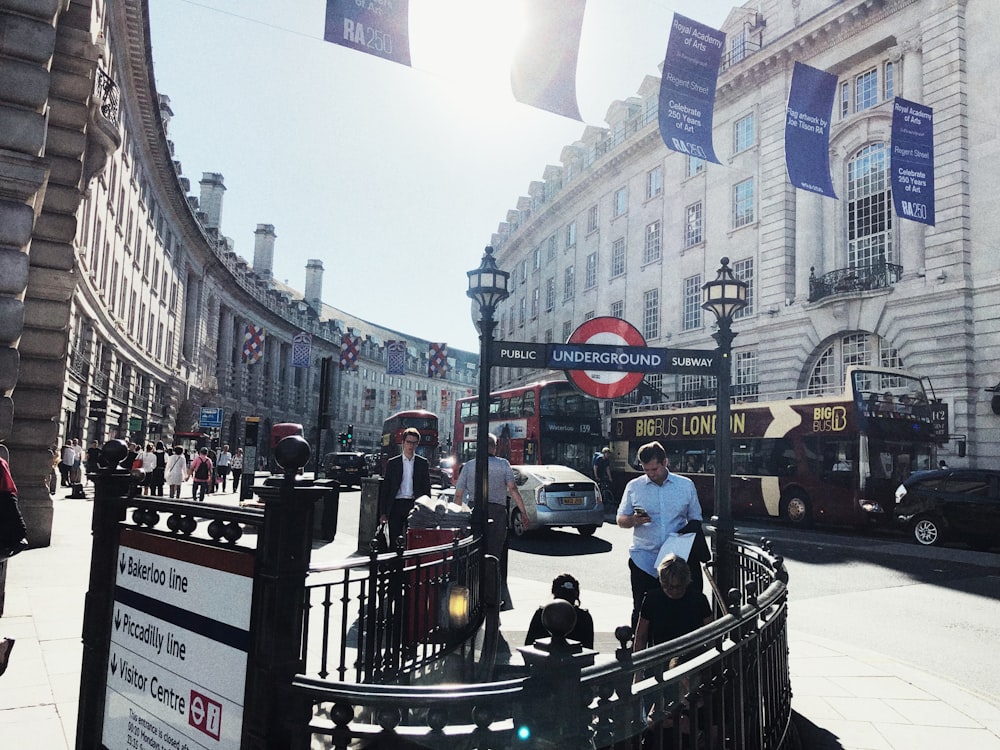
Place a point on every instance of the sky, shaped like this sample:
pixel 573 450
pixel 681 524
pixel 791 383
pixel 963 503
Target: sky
pixel 394 177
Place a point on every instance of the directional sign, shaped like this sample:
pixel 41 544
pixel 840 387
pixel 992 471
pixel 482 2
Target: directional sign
pixel 180 635
pixel 210 417
pixel 601 383
pixel 518 354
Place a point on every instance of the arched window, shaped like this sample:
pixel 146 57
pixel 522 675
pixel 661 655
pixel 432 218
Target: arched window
pixel 869 208
pixel 852 350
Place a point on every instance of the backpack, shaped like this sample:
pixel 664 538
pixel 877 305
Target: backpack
pixel 202 471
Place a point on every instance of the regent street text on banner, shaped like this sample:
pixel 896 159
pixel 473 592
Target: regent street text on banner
pixel 807 129
pixel 911 164
pixel 687 87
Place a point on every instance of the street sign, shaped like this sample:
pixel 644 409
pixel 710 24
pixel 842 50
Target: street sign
pixel 602 383
pixel 518 354
pixel 210 417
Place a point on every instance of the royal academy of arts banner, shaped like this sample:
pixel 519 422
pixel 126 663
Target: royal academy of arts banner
pixel 543 70
pixel 687 87
pixel 807 129
pixel 377 27
pixel 912 161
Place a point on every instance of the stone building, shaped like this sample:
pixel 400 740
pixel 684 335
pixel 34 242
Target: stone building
pixel 624 227
pixel 123 306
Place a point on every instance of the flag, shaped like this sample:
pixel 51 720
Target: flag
pixel 369 398
pixel 912 161
pixel 377 27
pixel 543 72
pixel 349 352
pixel 395 357
pixel 445 401
pixel 687 87
pixel 437 361
pixel 301 349
pixel 807 129
pixel 421 399
pixel 394 395
pixel 253 344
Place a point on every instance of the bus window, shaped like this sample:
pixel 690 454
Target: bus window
pixel 528 405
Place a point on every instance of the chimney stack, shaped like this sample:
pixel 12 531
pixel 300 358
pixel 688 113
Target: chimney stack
pixel 212 191
pixel 314 284
pixel 263 250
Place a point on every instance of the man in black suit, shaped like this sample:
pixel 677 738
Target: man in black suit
pixel 407 477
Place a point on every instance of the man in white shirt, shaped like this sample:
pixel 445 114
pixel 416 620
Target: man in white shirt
pixel 407 477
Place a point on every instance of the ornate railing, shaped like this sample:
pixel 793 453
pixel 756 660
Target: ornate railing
pixel 724 685
pixel 107 92
pixel 857 279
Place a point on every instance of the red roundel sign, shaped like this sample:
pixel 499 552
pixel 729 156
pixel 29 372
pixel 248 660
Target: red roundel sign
pixel 609 332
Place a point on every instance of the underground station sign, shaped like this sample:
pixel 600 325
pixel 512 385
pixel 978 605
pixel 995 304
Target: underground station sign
pixel 605 358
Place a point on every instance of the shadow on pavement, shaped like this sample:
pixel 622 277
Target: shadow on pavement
pixel 558 543
pixel 812 737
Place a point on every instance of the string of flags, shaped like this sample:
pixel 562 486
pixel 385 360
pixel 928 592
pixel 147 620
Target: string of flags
pixel 543 75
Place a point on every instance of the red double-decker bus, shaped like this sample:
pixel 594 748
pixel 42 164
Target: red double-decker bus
pixel 827 458
pixel 548 422
pixel 424 422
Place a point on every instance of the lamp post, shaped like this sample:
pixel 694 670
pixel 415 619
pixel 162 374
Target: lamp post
pixel 724 297
pixel 488 288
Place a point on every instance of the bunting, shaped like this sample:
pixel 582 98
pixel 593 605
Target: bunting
pixel 301 349
pixel 437 361
pixel 395 357
pixel 253 344
pixel 349 352
pixel 375 27
pixel 543 72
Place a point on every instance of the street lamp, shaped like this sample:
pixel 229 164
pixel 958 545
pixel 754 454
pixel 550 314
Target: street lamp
pixel 488 288
pixel 724 297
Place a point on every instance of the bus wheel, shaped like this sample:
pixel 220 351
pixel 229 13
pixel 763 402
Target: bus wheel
pixel 587 530
pixel 797 510
pixel 926 531
pixel 516 525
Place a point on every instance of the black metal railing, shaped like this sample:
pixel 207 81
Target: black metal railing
pixel 726 683
pixel 857 279
pixel 107 92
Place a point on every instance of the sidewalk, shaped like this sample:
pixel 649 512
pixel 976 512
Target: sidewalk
pixel 844 698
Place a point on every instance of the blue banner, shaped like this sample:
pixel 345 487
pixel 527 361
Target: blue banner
pixel 543 71
pixel 912 161
pixel 378 27
pixel 687 87
pixel 807 129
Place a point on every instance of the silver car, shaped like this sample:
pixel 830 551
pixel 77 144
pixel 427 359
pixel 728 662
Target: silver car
pixel 557 496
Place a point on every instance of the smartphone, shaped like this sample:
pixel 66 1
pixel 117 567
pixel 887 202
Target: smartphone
pixel 639 511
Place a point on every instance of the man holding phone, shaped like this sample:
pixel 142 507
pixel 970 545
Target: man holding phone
pixel 654 506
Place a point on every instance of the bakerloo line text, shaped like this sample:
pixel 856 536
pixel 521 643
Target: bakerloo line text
pixel 688 425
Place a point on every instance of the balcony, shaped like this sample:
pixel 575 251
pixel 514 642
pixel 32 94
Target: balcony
pixel 849 280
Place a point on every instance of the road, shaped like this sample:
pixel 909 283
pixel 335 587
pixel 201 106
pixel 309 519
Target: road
pixel 937 609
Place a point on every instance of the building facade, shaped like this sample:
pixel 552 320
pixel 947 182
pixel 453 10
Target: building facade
pixel 124 306
pixel 627 228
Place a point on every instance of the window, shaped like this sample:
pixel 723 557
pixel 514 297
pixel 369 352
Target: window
pixel 869 208
pixel 591 279
pixel 651 314
pixel 889 83
pixel 522 311
pixel 743 133
pixel 536 259
pixel 589 315
pixel 550 255
pixel 548 335
pixel 617 309
pixel 569 283
pixel 692 225
pixel 567 330
pixel 743 270
pixel 510 323
pixel 745 378
pixel 695 165
pixel 535 297
pixel 618 257
pixel 866 91
pixel 550 293
pixel 653 249
pixel 654 182
pixel 856 349
pixel 737 46
pixel 593 218
pixel 743 203
pixel 691 311
pixel 621 202
pixel 524 270
pixel 571 234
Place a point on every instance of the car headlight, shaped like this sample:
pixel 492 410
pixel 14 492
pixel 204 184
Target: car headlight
pixel 900 493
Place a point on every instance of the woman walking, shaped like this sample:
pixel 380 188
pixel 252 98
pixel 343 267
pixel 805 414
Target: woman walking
pixel 176 472
pixel 236 468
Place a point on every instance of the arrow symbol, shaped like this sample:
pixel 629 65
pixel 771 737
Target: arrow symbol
pixel 121 564
pixel 118 619
pixel 114 663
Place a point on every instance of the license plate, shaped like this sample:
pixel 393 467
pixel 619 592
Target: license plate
pixel 572 501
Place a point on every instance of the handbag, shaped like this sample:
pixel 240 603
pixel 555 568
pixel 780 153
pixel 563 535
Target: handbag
pixel 381 539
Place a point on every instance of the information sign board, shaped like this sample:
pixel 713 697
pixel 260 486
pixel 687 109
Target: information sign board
pixel 210 417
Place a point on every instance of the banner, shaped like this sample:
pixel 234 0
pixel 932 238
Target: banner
pixel 437 361
pixel 395 357
pixel 301 349
pixel 369 402
pixel 349 352
pixel 377 27
pixel 394 395
pixel 445 401
pixel 687 88
pixel 421 399
pixel 912 161
pixel 807 129
pixel 543 71
pixel 253 344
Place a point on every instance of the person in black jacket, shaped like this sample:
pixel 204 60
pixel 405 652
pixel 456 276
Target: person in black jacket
pixel 565 587
pixel 407 477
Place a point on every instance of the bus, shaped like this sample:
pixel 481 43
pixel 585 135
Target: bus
pixel 835 459
pixel 547 422
pixel 426 423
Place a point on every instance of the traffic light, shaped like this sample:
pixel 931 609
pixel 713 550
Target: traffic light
pixel 350 437
pixel 342 439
